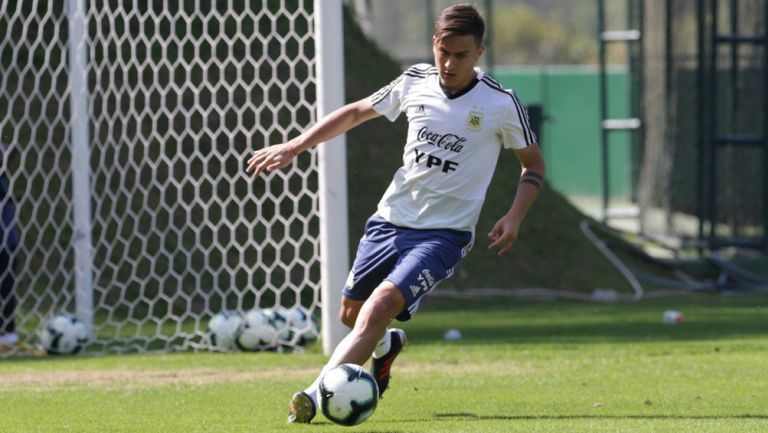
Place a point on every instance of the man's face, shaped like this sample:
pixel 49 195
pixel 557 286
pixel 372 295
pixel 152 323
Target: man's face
pixel 455 59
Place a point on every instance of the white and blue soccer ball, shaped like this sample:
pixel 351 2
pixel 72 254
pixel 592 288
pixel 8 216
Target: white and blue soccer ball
pixel 63 334
pixel 278 317
pixel 223 330
pixel 302 325
pixel 258 332
pixel 348 394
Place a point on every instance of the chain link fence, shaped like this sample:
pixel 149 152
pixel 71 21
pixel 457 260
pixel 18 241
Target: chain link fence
pixel 694 187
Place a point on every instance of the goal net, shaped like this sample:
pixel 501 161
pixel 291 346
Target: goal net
pixel 125 126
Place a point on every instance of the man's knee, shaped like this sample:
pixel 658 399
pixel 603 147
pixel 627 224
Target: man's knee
pixel 383 306
pixel 347 317
pixel 349 311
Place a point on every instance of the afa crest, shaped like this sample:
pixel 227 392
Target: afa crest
pixel 475 121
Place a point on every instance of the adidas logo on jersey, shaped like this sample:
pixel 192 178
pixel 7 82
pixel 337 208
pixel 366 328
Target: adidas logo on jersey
pixel 418 111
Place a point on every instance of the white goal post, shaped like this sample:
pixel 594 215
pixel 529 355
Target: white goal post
pixel 124 129
pixel 333 168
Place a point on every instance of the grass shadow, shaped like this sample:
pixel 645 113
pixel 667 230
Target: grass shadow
pixel 472 417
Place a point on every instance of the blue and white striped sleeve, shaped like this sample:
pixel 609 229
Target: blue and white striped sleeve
pixel 516 132
pixel 387 101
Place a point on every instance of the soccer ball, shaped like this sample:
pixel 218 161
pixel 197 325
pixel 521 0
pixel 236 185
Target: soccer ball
pixel 223 330
pixel 302 323
pixel 63 335
pixel 348 395
pixel 258 332
pixel 278 317
pixel 673 317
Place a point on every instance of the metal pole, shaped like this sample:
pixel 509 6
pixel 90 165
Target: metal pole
pixel 633 63
pixel 430 28
pixel 712 126
pixel 765 132
pixel 701 134
pixel 332 162
pixel 603 110
pixel 81 170
pixel 729 152
pixel 639 134
pixel 668 129
pixel 735 57
pixel 489 57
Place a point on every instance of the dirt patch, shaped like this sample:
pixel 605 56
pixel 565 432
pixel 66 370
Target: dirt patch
pixel 200 377
pixel 143 379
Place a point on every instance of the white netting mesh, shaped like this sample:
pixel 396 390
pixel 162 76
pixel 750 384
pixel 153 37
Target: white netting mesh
pixel 179 94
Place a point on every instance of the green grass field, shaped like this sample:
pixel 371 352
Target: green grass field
pixel 520 367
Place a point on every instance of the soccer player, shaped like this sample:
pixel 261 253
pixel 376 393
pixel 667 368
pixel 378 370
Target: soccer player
pixel 459 120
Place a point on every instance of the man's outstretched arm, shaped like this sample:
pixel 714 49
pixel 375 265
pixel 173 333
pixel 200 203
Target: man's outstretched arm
pixel 336 123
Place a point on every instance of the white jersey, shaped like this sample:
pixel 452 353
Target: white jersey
pixel 452 147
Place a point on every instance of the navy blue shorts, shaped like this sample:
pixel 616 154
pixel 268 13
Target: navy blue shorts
pixel 414 260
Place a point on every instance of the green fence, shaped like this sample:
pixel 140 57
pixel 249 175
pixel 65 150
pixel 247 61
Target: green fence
pixel 570 137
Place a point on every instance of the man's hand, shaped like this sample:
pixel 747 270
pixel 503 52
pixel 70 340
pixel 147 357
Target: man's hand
pixel 271 158
pixel 504 234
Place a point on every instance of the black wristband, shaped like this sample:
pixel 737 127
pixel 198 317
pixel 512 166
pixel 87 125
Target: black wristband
pixel 533 174
pixel 533 182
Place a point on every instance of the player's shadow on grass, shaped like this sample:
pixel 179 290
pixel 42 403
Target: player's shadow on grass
pixel 328 424
pixel 472 417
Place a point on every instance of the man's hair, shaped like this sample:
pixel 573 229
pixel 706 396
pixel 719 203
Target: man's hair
pixel 460 20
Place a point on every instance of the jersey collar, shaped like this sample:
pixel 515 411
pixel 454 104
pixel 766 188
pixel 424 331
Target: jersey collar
pixel 479 74
pixel 461 92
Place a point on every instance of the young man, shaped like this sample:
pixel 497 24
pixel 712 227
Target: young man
pixel 459 120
